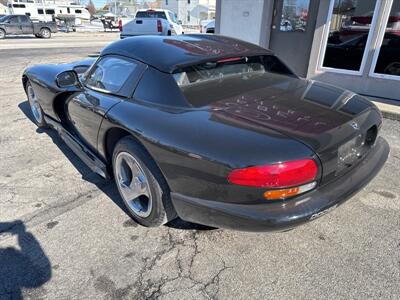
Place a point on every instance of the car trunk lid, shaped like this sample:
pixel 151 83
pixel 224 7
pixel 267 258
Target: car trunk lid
pixel 338 125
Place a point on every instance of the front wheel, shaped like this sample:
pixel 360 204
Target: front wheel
pixel 141 185
pixel 2 34
pixel 45 33
pixel 36 109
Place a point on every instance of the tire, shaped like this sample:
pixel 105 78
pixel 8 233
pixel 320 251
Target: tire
pixel 36 109
pixel 2 34
pixel 141 184
pixel 45 33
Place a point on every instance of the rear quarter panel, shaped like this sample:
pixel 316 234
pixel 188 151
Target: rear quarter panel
pixel 196 149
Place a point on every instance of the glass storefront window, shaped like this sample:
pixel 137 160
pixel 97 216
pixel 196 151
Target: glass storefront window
pixel 349 30
pixel 294 15
pixel 389 53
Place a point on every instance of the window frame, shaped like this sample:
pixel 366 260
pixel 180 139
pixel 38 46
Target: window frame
pixel 128 87
pixel 324 44
pixel 378 46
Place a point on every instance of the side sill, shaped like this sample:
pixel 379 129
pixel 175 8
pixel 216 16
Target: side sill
pixel 83 152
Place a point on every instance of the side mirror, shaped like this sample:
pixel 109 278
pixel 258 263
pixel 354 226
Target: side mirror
pixel 68 79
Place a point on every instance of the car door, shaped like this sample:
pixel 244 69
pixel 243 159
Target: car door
pixel 109 81
pixel 26 25
pixel 13 26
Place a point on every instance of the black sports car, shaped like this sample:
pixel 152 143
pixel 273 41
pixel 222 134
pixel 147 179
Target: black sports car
pixel 211 129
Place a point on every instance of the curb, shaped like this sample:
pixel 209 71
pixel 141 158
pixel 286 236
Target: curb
pixel 391 112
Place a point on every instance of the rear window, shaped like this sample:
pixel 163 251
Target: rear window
pixel 206 83
pixel 151 14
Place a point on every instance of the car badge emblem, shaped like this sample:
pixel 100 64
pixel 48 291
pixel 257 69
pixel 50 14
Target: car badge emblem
pixel 355 125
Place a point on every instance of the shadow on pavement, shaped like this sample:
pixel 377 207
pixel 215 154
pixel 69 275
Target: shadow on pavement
pixel 106 186
pixel 21 37
pixel 24 268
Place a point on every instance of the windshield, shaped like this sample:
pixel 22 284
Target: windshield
pixel 208 82
pixel 173 17
pixel 151 14
pixel 4 18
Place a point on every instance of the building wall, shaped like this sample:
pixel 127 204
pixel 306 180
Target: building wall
pixel 250 20
pixel 196 9
pixel 242 19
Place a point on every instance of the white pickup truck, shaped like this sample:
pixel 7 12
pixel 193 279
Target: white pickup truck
pixel 152 22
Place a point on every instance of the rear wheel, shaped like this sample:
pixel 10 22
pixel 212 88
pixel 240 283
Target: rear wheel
pixel 2 34
pixel 141 185
pixel 45 33
pixel 36 109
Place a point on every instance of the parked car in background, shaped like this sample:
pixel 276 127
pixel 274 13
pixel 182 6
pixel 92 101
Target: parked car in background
pixel 211 129
pixel 210 27
pixel 203 25
pixel 349 54
pixel 152 22
pixel 22 25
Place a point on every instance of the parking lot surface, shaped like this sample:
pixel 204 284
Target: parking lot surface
pixel 64 233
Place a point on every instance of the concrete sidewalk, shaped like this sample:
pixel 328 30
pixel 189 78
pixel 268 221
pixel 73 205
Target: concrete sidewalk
pixel 390 110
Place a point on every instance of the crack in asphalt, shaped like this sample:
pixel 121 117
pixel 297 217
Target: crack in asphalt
pixel 146 288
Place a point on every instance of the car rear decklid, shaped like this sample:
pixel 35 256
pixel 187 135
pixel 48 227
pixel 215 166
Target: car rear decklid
pixel 339 126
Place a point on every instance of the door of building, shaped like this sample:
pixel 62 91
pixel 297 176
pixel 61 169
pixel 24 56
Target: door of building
pixel 292 32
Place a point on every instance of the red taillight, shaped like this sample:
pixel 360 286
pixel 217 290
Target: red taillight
pixel 120 25
pixel 281 175
pixel 229 59
pixel 159 26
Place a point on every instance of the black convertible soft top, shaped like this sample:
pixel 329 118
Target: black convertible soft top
pixel 169 53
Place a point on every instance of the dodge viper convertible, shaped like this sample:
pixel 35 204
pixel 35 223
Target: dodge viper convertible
pixel 210 129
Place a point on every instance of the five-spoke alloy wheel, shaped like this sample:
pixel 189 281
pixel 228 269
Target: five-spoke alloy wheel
pixel 36 110
pixel 133 184
pixel 141 184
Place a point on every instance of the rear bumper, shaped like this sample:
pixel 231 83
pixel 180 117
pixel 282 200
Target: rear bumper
pixel 285 214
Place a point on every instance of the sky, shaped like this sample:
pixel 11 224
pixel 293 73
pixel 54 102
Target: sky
pixel 99 3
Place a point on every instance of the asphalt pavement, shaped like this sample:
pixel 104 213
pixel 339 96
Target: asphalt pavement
pixel 65 235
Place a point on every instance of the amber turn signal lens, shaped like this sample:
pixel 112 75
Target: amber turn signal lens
pixel 290 192
pixel 281 194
